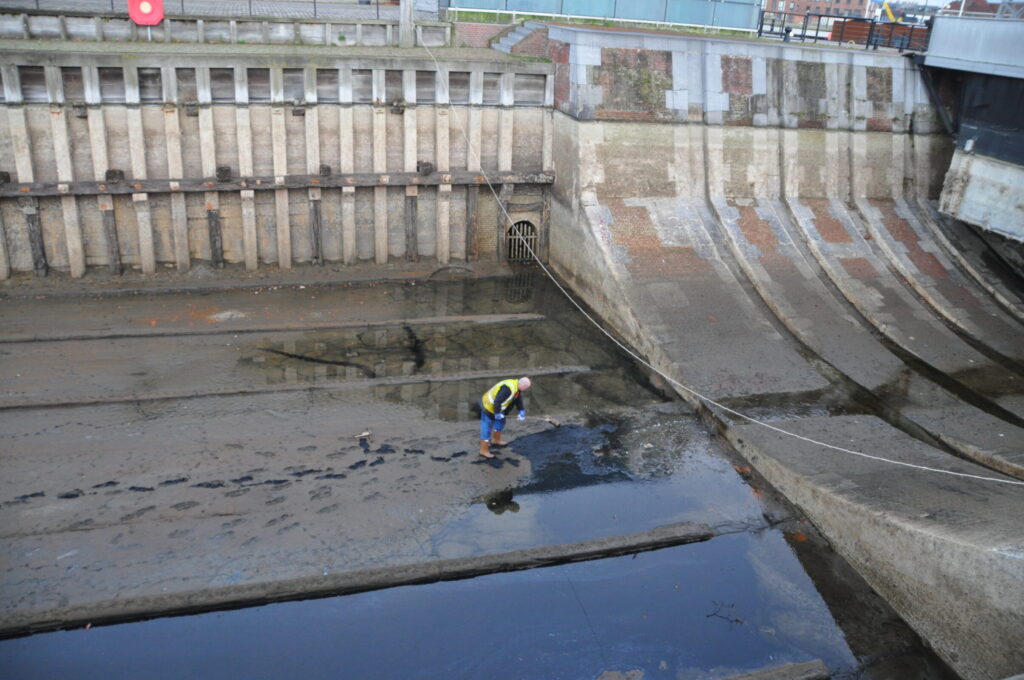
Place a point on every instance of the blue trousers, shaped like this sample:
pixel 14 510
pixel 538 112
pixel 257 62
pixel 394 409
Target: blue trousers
pixel 489 423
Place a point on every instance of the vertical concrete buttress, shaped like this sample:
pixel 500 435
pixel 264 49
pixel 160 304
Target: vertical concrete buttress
pixel 176 171
pixel 312 123
pixel 100 164
pixel 243 123
pixel 22 147
pixel 279 137
pixel 65 171
pixel 346 141
pixel 410 141
pixel 137 149
pixel 208 160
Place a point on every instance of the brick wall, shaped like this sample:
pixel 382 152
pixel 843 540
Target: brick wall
pixel 634 84
pixel 476 35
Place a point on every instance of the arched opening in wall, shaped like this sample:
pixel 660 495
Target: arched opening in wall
pixel 521 241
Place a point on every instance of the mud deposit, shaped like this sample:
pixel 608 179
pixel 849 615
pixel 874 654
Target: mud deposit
pixel 353 446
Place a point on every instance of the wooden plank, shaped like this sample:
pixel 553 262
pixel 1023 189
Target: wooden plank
pixel 444 207
pixel 504 195
pixel 216 237
pixel 30 207
pixel 380 165
pixel 279 137
pixel 348 225
pixel 69 207
pixel 140 199
pixel 411 210
pixel 472 203
pixel 267 183
pixel 315 231
pixel 175 168
pixel 110 231
pixel 5 262
pixel 208 158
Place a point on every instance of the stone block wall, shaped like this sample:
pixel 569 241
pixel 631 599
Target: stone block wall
pixel 604 75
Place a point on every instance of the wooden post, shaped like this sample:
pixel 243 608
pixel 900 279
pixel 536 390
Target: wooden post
pixel 22 148
pixel 175 168
pixel 280 151
pixel 411 214
pixel 100 164
pixel 284 234
pixel 409 141
pixel 65 172
pixel 137 148
pixel 473 192
pixel 312 120
pixel 5 261
pixel 30 207
pixel 208 158
pixel 346 140
pixel 243 126
pixel 380 193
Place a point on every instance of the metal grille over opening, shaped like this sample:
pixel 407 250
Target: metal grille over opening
pixel 521 240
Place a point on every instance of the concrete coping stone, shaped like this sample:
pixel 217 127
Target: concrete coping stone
pixel 350 582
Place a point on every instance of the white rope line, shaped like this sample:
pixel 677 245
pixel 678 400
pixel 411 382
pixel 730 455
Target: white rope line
pixel 675 382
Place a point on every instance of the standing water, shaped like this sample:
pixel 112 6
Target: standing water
pixel 604 453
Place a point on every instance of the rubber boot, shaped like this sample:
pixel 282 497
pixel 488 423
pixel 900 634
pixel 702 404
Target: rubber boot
pixel 496 439
pixel 485 449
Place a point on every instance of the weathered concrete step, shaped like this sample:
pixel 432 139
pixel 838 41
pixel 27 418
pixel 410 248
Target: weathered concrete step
pixel 227 327
pixel 946 551
pixel 906 529
pixel 972 254
pixel 696 315
pixel 759 237
pixel 839 247
pixel 810 670
pixel 900 236
pixel 30 402
pixel 129 608
pixel 509 40
pixel 267 306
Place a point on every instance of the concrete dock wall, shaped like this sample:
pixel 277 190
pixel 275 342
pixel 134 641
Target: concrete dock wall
pixel 329 32
pixel 662 220
pixel 119 160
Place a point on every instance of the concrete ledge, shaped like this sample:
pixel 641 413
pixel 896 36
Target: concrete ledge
pixel 356 581
pixel 947 554
pixel 959 247
pixel 811 670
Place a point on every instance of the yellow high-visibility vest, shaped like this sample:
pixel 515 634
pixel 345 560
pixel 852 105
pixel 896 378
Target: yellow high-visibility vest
pixel 491 394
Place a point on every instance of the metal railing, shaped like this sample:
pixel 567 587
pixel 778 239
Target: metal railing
pixel 734 14
pixel 355 9
pixel 843 30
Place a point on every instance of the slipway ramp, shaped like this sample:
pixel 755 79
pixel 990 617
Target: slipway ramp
pixel 879 382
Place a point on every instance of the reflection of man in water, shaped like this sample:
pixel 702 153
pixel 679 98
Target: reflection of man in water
pixel 496 403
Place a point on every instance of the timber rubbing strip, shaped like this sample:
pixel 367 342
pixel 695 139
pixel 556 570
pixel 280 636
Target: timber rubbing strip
pixel 348 582
pixel 150 332
pixel 809 670
pixel 12 402
pixel 268 183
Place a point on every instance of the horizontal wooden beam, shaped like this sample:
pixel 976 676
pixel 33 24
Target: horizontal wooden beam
pixel 367 179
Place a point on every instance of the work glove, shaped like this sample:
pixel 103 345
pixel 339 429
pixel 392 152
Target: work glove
pixel 522 415
pixel 499 416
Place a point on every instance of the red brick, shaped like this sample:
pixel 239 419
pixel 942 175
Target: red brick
pixel 829 227
pixel 533 45
pixel 737 75
pixel 476 35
